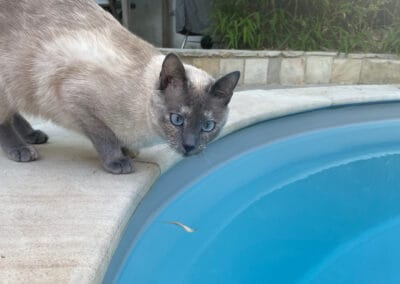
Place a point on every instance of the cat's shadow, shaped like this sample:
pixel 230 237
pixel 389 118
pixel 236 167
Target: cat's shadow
pixel 67 149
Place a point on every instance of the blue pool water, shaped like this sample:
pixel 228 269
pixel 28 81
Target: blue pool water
pixel 318 207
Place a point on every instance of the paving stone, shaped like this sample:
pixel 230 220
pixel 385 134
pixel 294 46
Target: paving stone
pixel 230 65
pixel 380 71
pixel 346 71
pixel 187 59
pixel 292 71
pixel 274 69
pixel 291 53
pixel 255 71
pixel 224 52
pixel 210 65
pixel 318 69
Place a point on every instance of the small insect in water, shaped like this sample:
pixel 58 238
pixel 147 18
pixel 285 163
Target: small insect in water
pixel 183 226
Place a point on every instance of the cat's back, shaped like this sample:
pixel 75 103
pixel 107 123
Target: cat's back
pixel 44 43
pixel 46 18
pixel 33 24
pixel 60 32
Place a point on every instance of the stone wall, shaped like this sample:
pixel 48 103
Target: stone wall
pixel 295 67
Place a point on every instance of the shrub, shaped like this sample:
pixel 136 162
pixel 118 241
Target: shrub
pixel 340 25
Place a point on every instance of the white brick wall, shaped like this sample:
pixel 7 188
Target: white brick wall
pixel 265 67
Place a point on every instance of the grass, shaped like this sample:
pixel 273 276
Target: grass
pixel 331 25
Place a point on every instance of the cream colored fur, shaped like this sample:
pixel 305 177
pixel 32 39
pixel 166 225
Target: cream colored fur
pixel 60 69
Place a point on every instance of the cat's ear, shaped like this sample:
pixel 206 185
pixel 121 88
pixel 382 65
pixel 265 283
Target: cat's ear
pixel 172 72
pixel 223 87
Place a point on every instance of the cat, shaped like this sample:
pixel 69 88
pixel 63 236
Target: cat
pixel 71 62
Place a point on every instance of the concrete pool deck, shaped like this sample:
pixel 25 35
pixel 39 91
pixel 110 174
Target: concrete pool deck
pixel 61 217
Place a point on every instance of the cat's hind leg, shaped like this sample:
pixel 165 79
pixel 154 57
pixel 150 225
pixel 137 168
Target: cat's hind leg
pixel 25 130
pixel 13 145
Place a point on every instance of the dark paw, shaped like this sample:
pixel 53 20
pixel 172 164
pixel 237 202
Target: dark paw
pixel 123 165
pixel 23 154
pixel 36 137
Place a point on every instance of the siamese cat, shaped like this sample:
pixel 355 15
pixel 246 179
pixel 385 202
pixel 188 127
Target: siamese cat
pixel 71 62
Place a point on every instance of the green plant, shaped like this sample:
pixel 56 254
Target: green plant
pixel 342 25
pixel 237 31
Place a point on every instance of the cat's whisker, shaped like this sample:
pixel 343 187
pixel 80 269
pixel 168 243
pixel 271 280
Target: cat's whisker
pixel 203 155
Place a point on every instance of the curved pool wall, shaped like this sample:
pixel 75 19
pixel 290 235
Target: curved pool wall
pixel 223 151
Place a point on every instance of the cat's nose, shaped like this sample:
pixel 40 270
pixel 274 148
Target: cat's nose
pixel 188 147
pixel 189 142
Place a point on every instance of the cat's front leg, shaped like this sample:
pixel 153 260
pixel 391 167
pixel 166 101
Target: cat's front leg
pixel 27 133
pixel 13 145
pixel 108 147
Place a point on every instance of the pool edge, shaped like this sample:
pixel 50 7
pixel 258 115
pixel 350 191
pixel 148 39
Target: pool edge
pixel 394 104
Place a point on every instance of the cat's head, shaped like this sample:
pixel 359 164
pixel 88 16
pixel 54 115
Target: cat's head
pixel 190 107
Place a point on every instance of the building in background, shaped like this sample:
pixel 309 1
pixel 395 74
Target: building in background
pixel 164 23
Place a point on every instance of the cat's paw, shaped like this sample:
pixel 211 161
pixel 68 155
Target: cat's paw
pixel 23 154
pixel 123 165
pixel 36 137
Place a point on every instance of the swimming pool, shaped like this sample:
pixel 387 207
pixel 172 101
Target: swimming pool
pixel 308 198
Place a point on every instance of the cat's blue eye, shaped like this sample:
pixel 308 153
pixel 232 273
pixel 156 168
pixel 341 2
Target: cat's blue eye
pixel 208 125
pixel 176 119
